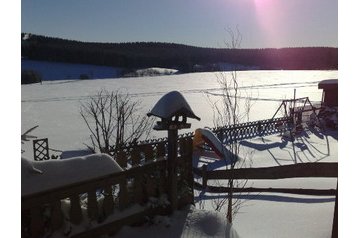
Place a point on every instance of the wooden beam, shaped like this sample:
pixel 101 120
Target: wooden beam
pixel 301 191
pixel 329 170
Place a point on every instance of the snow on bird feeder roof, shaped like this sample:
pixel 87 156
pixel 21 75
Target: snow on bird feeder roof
pixel 172 104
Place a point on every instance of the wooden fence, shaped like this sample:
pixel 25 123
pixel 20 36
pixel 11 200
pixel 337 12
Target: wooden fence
pixel 303 170
pixel 227 134
pixel 105 203
pixel 234 133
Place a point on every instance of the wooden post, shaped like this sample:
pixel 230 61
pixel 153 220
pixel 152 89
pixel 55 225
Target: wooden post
pixel 160 150
pixel 172 170
pixel 108 203
pixel 75 210
pixel 92 205
pixel 189 168
pixel 56 215
pixel 123 194
pixel 121 158
pixel 37 223
pixel 335 217
pixel 148 152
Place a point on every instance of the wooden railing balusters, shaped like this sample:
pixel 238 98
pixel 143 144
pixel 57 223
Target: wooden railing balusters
pixel 37 222
pixel 75 210
pixel 108 203
pixel 56 215
pixel 92 205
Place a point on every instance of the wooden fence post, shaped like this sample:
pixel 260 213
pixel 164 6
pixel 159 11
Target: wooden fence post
pixel 92 205
pixel 335 217
pixel 75 210
pixel 204 173
pixel 56 215
pixel 37 223
pixel 108 203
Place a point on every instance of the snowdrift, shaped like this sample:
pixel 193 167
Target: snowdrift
pixel 189 223
pixel 37 176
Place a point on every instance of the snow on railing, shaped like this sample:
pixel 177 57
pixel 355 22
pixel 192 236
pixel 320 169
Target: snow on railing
pixel 85 207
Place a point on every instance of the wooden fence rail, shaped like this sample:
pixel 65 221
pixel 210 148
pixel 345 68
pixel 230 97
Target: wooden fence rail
pixel 301 191
pixel 302 170
pixel 276 172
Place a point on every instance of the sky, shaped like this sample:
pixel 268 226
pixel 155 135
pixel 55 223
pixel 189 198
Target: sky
pixel 262 23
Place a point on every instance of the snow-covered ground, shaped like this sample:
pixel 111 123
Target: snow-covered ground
pixel 54 106
pixel 188 223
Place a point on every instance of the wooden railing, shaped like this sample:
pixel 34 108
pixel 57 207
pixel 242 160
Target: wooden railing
pixel 106 203
pixel 302 170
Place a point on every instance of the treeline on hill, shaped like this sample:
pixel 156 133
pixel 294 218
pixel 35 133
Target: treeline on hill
pixel 170 55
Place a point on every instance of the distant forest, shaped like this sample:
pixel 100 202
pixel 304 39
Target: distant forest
pixel 176 56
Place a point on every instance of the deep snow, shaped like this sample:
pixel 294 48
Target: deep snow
pixel 54 106
pixel 187 223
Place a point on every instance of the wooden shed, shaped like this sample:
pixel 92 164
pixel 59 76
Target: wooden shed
pixel 330 92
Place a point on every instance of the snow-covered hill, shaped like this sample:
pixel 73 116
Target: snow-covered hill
pixel 62 71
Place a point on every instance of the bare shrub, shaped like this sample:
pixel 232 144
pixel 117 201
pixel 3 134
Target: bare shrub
pixel 228 111
pixel 113 120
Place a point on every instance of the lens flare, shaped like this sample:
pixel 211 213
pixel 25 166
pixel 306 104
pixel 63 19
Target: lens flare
pixel 269 17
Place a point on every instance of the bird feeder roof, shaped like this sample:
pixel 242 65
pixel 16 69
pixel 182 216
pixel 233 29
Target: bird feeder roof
pixel 172 104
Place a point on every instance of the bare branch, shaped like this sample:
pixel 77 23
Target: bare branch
pixel 113 121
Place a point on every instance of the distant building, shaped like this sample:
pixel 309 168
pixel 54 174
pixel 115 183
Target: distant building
pixel 330 92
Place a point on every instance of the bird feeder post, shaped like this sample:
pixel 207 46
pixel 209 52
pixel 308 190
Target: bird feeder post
pixel 172 168
pixel 170 108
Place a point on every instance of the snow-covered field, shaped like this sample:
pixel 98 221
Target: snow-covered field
pixel 54 106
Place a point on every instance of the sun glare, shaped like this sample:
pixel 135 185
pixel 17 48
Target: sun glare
pixel 268 17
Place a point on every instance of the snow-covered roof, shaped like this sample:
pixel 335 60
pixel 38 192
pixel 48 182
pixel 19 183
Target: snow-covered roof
pixel 328 84
pixel 37 176
pixel 172 104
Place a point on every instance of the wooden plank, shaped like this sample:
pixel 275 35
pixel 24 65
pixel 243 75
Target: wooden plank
pixel 301 191
pixel 328 170
pixel 56 215
pixel 92 206
pixel 123 194
pixel 335 217
pixel 37 223
pixel 108 202
pixel 75 210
